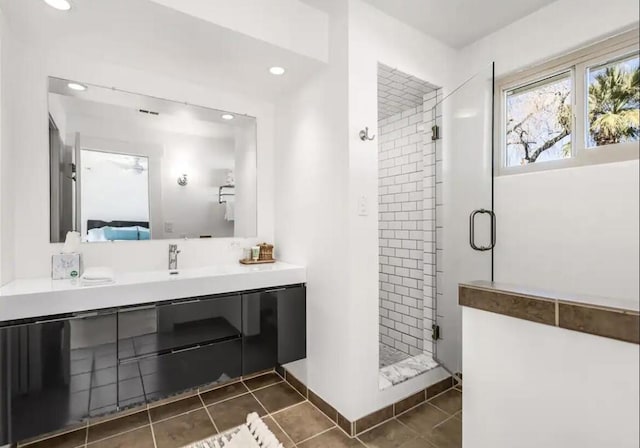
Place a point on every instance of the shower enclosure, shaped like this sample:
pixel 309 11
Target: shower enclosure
pixel 436 221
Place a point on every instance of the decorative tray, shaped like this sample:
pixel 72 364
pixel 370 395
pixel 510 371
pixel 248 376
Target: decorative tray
pixel 249 261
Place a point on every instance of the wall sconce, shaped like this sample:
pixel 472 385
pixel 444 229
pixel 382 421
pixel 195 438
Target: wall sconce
pixel 182 180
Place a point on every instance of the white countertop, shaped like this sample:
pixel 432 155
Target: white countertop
pixel 29 298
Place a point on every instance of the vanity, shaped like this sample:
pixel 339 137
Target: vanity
pixel 69 353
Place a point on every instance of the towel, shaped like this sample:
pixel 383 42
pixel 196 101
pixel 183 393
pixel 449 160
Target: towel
pixel 97 276
pixel 230 210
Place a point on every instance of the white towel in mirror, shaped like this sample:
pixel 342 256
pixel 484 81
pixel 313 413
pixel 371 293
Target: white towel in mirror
pixel 230 210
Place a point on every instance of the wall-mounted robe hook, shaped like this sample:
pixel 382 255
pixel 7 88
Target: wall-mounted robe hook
pixel 364 135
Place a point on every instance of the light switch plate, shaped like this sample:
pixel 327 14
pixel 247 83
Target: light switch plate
pixel 168 227
pixel 363 206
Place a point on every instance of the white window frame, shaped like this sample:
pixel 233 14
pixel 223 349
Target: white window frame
pixel 576 63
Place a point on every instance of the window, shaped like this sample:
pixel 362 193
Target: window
pixel 613 103
pixel 539 121
pixel 580 109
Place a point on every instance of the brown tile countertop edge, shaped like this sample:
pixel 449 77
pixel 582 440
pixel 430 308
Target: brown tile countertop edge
pixel 622 324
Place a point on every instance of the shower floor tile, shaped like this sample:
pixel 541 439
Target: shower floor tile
pixel 406 369
pixel 390 355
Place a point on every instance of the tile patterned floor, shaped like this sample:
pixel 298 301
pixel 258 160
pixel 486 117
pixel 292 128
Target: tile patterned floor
pixel 295 421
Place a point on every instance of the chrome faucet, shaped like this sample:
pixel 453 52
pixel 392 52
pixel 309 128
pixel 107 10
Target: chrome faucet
pixel 173 257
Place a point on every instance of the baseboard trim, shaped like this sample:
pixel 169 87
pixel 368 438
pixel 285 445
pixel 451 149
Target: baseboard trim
pixel 357 427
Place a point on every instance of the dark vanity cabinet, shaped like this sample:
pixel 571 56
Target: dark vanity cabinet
pixel 57 372
pixel 274 328
pixel 178 345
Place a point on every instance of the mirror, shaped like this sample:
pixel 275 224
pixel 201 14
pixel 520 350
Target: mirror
pixel 125 166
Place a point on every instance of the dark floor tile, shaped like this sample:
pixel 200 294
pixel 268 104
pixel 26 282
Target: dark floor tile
pixel 183 429
pixel 174 408
pixel 262 380
pixel 69 440
pixel 302 421
pixel 439 387
pixel 231 413
pixel 409 402
pixel 118 425
pixel 447 434
pixel 423 418
pixel 375 418
pixel 224 393
pixel 139 438
pixel 346 425
pixel 334 439
pixel 278 396
pixel 450 401
pixel 325 407
pixel 420 442
pixel 297 385
pixel 391 434
pixel 278 432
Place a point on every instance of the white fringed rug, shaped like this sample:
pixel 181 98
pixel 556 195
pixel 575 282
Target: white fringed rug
pixel 253 434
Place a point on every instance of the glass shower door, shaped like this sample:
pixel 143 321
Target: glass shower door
pixel 464 219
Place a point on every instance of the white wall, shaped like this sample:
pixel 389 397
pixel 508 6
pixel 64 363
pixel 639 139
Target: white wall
pixel 6 124
pixel 531 385
pixel 311 211
pixel 246 188
pixel 59 115
pixel 290 24
pixel 573 230
pixel 30 240
pixel 193 210
pixel 323 168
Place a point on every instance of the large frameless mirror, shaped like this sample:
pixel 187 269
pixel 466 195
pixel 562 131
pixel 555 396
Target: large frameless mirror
pixel 126 166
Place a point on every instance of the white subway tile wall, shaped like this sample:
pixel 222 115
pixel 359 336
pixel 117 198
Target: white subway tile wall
pixel 406 196
pixel 398 91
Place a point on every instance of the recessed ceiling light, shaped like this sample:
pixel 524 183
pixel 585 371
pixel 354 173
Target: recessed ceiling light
pixel 277 71
pixel 227 117
pixel 77 86
pixel 62 5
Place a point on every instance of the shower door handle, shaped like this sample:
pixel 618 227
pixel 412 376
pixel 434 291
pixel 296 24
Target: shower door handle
pixel 472 229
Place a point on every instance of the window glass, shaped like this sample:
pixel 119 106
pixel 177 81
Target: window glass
pixel 539 121
pixel 613 103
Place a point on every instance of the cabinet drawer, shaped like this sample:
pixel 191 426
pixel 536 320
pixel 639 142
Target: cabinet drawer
pixel 172 373
pixel 163 329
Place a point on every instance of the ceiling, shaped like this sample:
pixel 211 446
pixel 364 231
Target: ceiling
pixel 399 91
pixel 458 23
pixel 144 35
